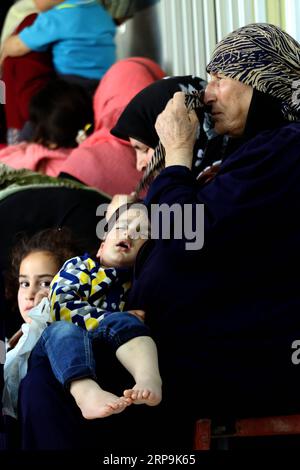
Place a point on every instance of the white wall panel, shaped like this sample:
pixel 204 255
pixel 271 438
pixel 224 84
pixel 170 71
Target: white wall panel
pixel 210 27
pixel 166 40
pixel 188 36
pixel 292 18
pixel 245 12
pixel 224 17
pixel 190 29
pixel 199 42
pixel 260 11
pixel 235 14
pixel 177 35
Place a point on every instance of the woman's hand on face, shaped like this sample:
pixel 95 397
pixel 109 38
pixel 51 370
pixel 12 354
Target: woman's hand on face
pixel 177 129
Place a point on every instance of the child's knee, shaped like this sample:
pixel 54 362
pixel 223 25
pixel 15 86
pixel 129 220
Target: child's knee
pixel 59 329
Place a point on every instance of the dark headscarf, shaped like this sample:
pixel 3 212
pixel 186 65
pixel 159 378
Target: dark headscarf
pixel 266 58
pixel 138 118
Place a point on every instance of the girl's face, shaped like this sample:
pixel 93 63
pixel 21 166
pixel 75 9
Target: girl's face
pixel 35 275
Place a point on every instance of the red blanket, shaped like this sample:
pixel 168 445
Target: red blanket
pixel 23 77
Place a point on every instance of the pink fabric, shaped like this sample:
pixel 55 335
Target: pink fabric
pixel 34 157
pixel 102 160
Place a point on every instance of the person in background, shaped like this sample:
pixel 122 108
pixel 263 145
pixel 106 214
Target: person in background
pixel 104 161
pixel 15 15
pixel 58 113
pixel 34 262
pixel 23 76
pixel 80 33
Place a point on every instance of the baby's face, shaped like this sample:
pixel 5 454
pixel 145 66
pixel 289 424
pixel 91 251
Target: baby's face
pixel 124 240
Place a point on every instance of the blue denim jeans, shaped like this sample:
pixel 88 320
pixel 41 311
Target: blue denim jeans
pixel 69 347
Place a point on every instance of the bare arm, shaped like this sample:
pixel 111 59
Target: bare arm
pixel 177 128
pixel 13 47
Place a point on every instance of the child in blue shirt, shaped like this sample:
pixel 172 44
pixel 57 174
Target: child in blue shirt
pixel 81 34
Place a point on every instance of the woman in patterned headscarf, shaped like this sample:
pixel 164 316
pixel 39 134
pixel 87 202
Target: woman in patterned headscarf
pixel 267 59
pixel 227 334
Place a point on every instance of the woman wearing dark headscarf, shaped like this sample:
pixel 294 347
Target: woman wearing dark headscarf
pixel 225 339
pixel 136 123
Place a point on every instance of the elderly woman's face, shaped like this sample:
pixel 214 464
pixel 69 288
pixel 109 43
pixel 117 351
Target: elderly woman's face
pixel 229 100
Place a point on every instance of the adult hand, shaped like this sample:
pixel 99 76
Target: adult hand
pixel 177 129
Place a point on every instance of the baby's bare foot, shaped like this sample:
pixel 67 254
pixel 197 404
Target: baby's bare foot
pixel 94 402
pixel 101 405
pixel 146 392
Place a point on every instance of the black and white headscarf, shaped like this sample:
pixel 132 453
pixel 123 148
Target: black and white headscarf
pixel 139 116
pixel 265 57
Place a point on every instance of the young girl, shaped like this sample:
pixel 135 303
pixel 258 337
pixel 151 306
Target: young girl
pixel 58 114
pixel 35 261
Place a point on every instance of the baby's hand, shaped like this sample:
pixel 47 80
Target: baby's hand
pixel 138 313
pixel 40 295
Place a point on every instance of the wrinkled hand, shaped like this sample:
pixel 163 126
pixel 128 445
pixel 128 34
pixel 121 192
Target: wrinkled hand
pixel 40 295
pixel 140 314
pixel 177 129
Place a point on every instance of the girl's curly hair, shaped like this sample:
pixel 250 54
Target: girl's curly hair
pixel 60 243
